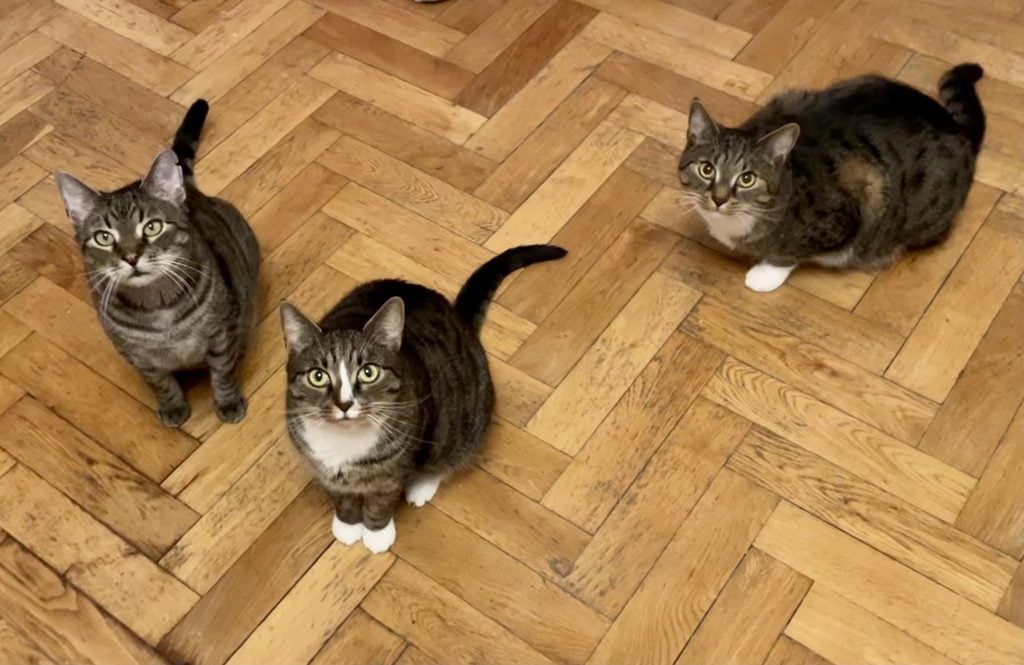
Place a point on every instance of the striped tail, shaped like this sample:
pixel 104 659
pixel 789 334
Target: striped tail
pixel 956 89
pixel 187 137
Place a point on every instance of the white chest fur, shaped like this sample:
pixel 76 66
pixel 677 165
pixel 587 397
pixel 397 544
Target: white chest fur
pixel 335 447
pixel 727 228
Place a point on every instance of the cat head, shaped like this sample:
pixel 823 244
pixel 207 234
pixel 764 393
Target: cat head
pixel 730 172
pixel 134 236
pixel 345 378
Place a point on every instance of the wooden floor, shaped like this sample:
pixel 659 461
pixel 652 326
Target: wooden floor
pixel 681 470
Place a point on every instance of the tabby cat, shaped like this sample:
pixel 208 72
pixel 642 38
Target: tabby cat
pixel 173 273
pixel 847 177
pixel 391 392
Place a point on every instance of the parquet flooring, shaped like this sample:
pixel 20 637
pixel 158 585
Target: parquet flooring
pixel 680 470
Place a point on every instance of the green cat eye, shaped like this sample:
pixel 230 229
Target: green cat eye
pixel 706 170
pixel 318 378
pixel 152 229
pixel 746 179
pixel 103 238
pixel 369 373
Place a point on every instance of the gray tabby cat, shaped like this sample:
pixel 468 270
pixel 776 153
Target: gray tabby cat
pixel 879 168
pixel 173 274
pixel 392 392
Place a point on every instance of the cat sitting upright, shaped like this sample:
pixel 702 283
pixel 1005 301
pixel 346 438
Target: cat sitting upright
pixel 391 392
pixel 846 177
pixel 173 274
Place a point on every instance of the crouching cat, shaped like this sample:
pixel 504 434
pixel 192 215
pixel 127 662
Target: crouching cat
pixel 391 392
pixel 173 274
pixel 847 177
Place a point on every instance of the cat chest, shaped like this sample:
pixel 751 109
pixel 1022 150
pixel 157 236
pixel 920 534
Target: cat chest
pixel 167 349
pixel 335 449
pixel 728 229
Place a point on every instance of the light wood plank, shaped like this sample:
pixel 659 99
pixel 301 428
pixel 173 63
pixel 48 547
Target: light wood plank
pixel 132 22
pixel 361 640
pixel 398 23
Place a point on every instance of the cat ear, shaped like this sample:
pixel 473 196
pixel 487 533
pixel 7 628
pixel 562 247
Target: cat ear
pixel 702 129
pixel 386 325
pixel 165 180
pixel 299 332
pixel 79 198
pixel 779 143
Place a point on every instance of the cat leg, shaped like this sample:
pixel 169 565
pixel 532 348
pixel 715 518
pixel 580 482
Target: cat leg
pixel 347 524
pixel 378 520
pixel 421 488
pixel 765 277
pixel 223 358
pixel 172 409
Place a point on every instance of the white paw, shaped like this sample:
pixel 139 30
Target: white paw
pixel 422 489
pixel 347 534
pixel 765 277
pixel 380 540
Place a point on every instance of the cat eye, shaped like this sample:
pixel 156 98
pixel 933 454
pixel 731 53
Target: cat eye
pixel 368 373
pixel 318 378
pixel 103 238
pixel 152 229
pixel 746 179
pixel 706 170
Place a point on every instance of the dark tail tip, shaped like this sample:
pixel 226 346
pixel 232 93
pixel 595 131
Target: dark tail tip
pixel 958 94
pixel 963 74
pixel 186 139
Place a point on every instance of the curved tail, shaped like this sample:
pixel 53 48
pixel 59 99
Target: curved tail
pixel 472 301
pixel 956 89
pixel 187 137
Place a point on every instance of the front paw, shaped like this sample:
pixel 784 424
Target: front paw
pixel 764 277
pixel 174 415
pixel 380 540
pixel 232 411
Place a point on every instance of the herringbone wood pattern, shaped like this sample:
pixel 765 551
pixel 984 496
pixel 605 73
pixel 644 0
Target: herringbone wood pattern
pixel 680 471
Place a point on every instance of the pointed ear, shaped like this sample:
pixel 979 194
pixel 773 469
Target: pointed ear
pixel 702 129
pixel 778 144
pixel 79 199
pixel 385 327
pixel 165 180
pixel 299 332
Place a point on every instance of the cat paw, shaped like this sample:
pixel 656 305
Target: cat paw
pixel 765 277
pixel 174 415
pixel 422 489
pixel 346 534
pixel 233 411
pixel 380 540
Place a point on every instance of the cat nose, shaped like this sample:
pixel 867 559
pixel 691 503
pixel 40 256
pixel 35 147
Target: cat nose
pixel 345 406
pixel 131 259
pixel 719 200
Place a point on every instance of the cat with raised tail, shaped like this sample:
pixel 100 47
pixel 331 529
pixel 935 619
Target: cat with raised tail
pixel 391 392
pixel 847 177
pixel 173 274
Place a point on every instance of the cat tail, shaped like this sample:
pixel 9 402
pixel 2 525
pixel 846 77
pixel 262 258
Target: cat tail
pixel 956 89
pixel 187 137
pixel 472 301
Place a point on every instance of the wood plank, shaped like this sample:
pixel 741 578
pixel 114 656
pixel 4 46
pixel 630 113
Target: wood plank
pixel 18 648
pixel 995 512
pixel 291 207
pixel 10 394
pixel 16 223
pixel 224 31
pixel 121 580
pixel 664 613
pixel 361 640
pixel 957 319
pixel 227 613
pixel 655 506
pixel 19 133
pixel 109 489
pixel 520 459
pixel 919 479
pixel 517 394
pixel 305 618
pixel 132 22
pixel 862 394
pixel 24 17
pixel 788 651
pixel 495 34
pixel 933 548
pixel 984 398
pixel 749 614
pixel 785 34
pixel 409 102
pixel 413 189
pixel 399 23
pixel 441 623
pixel 65 624
pixel 846 633
pixel 910 602
pixel 25 53
pixel 1012 606
pixel 577 406
pixel 16 177
pixel 620 448
pixel 534 609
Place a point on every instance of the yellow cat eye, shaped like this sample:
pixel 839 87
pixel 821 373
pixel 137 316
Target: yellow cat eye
pixel 103 238
pixel 152 229
pixel 746 179
pixel 318 378
pixel 706 170
pixel 368 373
